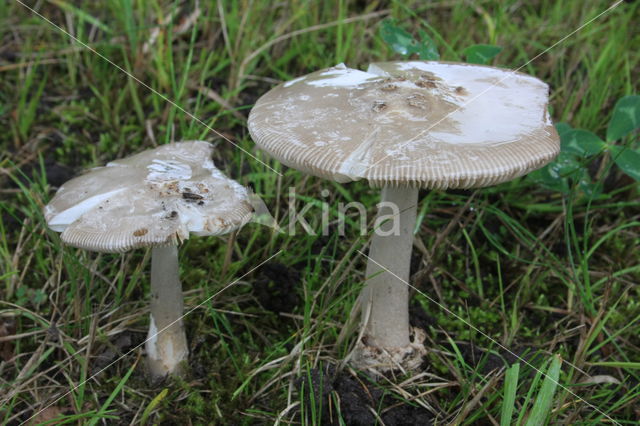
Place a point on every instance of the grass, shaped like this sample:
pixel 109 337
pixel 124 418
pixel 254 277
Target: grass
pixel 549 275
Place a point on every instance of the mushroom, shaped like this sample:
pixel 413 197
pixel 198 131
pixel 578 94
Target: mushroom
pixel 152 199
pixel 403 126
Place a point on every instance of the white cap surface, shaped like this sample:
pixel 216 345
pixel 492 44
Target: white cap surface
pixel 417 123
pixel 156 197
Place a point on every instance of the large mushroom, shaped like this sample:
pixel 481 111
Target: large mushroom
pixel 152 199
pixel 403 126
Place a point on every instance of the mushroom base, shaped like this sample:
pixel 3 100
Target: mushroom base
pixel 378 361
pixel 166 351
pixel 166 343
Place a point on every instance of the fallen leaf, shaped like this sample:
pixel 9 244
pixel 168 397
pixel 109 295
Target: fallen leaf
pixel 599 379
pixel 47 415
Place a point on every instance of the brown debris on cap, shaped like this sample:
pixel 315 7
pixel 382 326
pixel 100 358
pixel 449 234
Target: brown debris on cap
pixel 153 198
pixel 417 123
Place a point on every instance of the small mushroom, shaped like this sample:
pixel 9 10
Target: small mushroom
pixel 404 126
pixel 152 199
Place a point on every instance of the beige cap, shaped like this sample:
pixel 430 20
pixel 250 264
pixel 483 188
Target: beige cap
pixel 417 123
pixel 153 198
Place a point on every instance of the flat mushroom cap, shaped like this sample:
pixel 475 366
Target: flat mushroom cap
pixel 425 124
pixel 153 198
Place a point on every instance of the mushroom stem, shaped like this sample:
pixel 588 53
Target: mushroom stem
pixel 167 342
pixel 387 293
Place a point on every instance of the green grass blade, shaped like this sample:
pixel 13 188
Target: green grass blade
pixel 617 364
pixel 510 388
pixel 116 391
pixel 153 404
pixel 544 401
pixel 81 14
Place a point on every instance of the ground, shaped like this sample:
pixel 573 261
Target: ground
pixel 530 272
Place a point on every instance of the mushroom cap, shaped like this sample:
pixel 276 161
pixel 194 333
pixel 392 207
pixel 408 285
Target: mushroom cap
pixel 416 123
pixel 153 198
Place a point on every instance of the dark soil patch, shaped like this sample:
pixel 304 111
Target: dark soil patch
pixel 115 349
pixel 54 172
pixel 486 361
pixel 277 287
pixel 11 222
pixel 326 392
pixel 57 173
pixel 418 317
pixel 483 359
pixel 321 241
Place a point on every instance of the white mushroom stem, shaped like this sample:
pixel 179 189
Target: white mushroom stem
pixel 167 342
pixel 386 297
